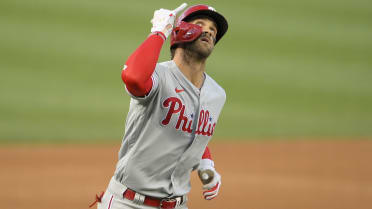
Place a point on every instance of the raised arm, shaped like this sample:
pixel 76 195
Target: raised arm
pixel 140 66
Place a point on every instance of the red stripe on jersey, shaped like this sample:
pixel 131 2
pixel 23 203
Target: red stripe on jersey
pixel 110 202
pixel 207 154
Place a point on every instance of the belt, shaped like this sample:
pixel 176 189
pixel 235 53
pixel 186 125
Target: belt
pixel 168 203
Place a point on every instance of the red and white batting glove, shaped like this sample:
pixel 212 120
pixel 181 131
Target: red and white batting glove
pixel 163 20
pixel 212 187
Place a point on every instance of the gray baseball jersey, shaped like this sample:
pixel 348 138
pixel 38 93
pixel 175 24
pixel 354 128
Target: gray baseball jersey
pixel 167 132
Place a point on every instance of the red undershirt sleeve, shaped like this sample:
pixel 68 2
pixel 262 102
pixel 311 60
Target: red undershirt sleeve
pixel 207 154
pixel 141 64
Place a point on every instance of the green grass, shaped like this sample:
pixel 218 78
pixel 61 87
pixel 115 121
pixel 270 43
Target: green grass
pixel 290 68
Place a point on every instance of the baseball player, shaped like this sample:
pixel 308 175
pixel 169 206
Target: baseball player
pixel 173 113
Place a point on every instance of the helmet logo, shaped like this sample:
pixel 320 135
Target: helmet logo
pixel 211 8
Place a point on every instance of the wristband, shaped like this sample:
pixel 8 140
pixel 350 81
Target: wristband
pixel 161 34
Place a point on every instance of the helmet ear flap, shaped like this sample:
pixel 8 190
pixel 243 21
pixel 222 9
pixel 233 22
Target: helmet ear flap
pixel 185 32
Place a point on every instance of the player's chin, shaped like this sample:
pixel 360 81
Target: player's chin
pixel 207 51
pixel 205 47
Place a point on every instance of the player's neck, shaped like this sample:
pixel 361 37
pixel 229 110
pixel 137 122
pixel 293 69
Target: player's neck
pixel 192 69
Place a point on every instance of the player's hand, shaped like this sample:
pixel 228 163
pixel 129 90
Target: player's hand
pixel 163 20
pixel 212 188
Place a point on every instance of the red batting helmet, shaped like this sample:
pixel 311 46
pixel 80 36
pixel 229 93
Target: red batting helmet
pixel 186 32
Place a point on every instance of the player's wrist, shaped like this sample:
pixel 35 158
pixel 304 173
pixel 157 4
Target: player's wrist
pixel 159 33
pixel 206 164
pixel 164 27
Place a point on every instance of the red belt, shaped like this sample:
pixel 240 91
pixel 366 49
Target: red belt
pixel 154 202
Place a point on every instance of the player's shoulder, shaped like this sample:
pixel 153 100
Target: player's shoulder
pixel 215 86
pixel 163 67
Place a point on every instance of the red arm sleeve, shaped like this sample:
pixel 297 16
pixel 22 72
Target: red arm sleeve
pixel 207 154
pixel 141 65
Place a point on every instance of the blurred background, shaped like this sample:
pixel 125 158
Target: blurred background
pixel 290 68
pixel 297 71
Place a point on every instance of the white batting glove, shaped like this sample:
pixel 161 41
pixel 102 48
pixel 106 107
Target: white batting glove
pixel 213 187
pixel 163 20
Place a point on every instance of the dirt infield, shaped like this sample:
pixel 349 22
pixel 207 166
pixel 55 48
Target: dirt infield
pixel 315 174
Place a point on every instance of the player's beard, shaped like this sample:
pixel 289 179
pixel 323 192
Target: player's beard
pixel 197 50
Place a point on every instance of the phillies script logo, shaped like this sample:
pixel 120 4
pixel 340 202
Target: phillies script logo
pixel 175 107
